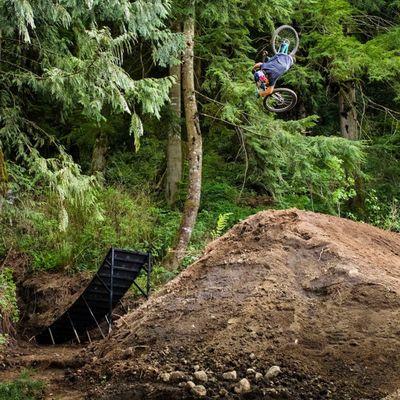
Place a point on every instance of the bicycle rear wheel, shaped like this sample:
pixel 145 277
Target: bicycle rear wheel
pixel 286 34
pixel 281 100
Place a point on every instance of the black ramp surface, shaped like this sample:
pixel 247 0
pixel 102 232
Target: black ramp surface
pixel 116 275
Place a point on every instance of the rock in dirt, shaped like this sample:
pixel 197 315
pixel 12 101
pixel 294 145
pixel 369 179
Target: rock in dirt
pixel 258 376
pixel 199 391
pixel 223 392
pixel 243 386
pixel 201 376
pixel 273 372
pixel 230 375
pixel 393 396
pixel 165 377
pixel 190 385
pixel 177 376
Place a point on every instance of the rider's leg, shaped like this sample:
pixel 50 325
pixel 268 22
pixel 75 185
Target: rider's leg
pixel 267 91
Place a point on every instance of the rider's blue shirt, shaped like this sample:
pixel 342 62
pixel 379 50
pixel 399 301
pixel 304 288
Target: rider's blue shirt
pixel 276 66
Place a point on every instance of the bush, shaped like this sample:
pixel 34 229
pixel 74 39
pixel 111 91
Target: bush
pixel 138 171
pixel 8 305
pixel 23 388
pixel 32 228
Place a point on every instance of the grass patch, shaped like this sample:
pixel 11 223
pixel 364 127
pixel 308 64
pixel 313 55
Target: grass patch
pixel 22 388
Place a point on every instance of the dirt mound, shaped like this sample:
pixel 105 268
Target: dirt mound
pixel 316 295
pixel 45 296
pixel 42 296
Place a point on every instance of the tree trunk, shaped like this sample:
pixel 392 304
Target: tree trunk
pixel 302 110
pixel 194 149
pixel 3 174
pixel 348 111
pixel 3 183
pixel 197 68
pixel 174 148
pixel 349 130
pixel 99 154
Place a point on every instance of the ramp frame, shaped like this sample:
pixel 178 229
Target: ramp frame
pixel 115 276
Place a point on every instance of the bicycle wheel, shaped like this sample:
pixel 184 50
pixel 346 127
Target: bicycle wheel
pixel 281 100
pixel 286 34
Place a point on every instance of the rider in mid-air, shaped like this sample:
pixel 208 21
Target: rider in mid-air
pixel 268 72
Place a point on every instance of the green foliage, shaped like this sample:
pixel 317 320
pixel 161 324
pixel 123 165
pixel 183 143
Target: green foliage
pixel 22 388
pixel 8 300
pixel 138 171
pixel 222 223
pixel 312 172
pixel 67 58
pixel 9 313
pixel 382 212
pixel 32 227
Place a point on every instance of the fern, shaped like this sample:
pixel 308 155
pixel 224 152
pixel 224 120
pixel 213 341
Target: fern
pixel 222 224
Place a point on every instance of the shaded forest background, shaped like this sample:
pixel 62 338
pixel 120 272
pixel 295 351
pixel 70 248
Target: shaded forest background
pixel 94 154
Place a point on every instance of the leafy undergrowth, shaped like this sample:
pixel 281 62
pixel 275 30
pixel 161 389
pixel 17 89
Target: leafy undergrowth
pixel 22 388
pixel 8 306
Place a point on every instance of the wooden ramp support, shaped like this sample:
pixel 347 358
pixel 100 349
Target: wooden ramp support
pixel 116 275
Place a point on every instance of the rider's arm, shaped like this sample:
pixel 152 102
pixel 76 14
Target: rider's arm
pixel 257 66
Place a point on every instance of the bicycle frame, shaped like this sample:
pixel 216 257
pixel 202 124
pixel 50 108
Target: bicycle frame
pixel 284 48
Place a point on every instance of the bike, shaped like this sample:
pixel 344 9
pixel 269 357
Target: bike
pixel 284 40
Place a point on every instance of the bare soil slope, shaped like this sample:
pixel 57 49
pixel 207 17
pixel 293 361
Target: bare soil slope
pixel 317 295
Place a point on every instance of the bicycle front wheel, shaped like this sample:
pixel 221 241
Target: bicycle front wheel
pixel 286 34
pixel 281 100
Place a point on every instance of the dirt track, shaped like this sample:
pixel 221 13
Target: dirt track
pixel 318 296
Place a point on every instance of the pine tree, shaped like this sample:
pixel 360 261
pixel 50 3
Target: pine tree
pixel 66 58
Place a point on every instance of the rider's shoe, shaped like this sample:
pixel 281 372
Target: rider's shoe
pixel 257 93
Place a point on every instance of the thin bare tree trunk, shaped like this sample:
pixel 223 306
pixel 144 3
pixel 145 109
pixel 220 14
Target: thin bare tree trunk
pixel 3 174
pixel 194 148
pixel 3 179
pixel 174 148
pixel 99 154
pixel 348 111
pixel 349 130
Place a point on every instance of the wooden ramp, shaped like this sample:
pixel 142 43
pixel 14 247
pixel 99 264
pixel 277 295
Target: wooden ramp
pixel 116 275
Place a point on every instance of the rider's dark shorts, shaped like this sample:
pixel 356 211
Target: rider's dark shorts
pixel 272 77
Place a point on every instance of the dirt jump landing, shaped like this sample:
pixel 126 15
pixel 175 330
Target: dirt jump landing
pixel 315 295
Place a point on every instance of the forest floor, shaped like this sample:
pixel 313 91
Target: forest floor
pixel 315 295
pixel 49 365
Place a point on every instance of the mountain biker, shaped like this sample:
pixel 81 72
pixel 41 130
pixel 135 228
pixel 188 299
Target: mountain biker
pixel 268 72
